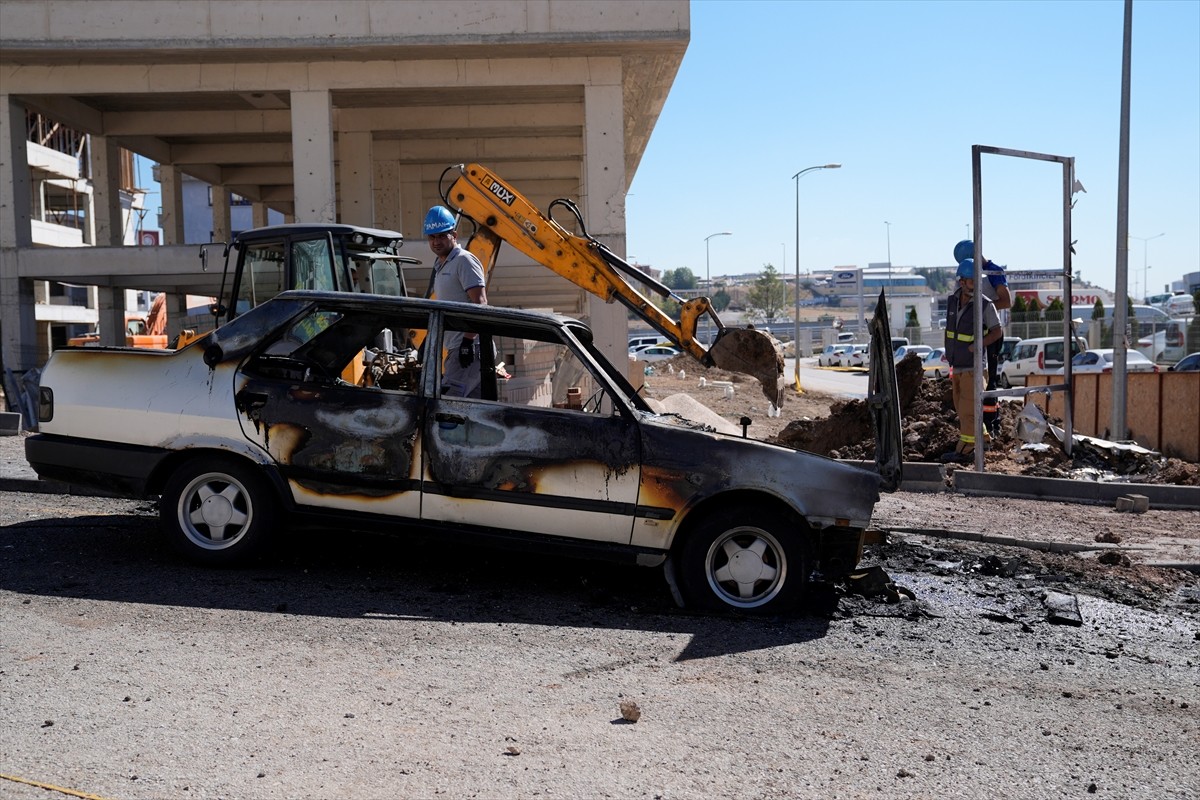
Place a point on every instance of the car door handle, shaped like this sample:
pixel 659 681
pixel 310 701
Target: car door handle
pixel 450 419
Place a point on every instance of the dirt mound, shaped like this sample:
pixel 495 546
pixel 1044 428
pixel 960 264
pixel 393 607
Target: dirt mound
pixel 842 428
pixel 930 428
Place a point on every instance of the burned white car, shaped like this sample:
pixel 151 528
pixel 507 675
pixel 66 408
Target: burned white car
pixel 327 409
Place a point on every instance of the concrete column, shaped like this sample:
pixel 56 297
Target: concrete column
pixel 222 222
pixel 109 231
pixel 259 215
pixel 604 194
pixel 15 180
pixel 171 183
pixel 106 193
pixel 312 156
pixel 356 176
pixel 386 188
pixel 18 323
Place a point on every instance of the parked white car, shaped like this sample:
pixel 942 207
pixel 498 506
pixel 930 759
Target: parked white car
pixel 936 365
pixel 657 353
pixel 1041 355
pixel 831 356
pixel 1101 360
pixel 321 409
pixel 920 350
pixel 856 356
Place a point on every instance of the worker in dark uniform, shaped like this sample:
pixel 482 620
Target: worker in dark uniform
pixel 960 353
pixel 995 288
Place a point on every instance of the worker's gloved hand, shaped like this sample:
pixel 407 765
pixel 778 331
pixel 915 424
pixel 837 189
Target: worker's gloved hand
pixel 466 352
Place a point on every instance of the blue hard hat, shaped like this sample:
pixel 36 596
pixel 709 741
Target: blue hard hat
pixel 439 220
pixel 964 249
pixel 966 269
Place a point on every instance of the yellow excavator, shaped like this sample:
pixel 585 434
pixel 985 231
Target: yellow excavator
pixel 501 214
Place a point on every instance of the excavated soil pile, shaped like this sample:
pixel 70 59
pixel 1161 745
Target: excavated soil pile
pixel 930 427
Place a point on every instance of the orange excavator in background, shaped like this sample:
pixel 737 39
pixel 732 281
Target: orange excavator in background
pixel 501 214
pixel 149 331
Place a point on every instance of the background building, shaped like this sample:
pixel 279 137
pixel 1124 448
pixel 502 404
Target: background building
pixel 321 112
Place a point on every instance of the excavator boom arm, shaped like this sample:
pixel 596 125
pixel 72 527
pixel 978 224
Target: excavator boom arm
pixel 502 214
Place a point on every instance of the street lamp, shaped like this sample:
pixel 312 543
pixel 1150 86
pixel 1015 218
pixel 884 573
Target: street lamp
pixel 1145 283
pixel 796 334
pixel 708 268
pixel 889 241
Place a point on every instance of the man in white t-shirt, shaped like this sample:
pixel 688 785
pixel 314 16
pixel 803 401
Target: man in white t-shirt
pixel 457 276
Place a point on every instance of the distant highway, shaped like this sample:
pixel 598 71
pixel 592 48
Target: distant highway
pixel 827 381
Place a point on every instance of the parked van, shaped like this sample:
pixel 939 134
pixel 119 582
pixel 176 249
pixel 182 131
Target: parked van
pixel 1179 305
pixel 1035 356
pixel 1175 344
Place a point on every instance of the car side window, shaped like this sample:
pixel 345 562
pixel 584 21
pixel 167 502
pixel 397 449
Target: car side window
pixel 359 348
pixel 527 366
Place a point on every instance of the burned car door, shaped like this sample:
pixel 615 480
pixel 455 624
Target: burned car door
pixel 335 400
pixel 883 401
pixel 545 447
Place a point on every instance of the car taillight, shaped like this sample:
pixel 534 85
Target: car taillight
pixel 1041 360
pixel 45 404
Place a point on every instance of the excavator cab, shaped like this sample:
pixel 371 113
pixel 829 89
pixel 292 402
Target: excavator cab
pixel 331 257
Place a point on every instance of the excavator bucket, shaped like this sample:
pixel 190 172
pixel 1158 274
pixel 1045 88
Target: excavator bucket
pixel 752 353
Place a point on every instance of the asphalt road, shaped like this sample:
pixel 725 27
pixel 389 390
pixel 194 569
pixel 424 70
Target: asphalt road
pixel 362 667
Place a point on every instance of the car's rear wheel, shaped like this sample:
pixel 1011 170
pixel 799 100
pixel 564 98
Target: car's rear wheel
pixel 218 512
pixel 740 559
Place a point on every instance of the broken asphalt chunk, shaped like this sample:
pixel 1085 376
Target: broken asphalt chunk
pixel 1062 609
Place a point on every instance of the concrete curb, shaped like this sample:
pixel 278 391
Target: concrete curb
pixel 922 476
pixel 1161 496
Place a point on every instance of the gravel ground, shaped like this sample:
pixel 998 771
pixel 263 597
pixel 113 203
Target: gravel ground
pixel 363 667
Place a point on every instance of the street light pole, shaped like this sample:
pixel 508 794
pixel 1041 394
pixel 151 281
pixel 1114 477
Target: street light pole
pixel 889 242
pixel 1145 240
pixel 796 333
pixel 708 270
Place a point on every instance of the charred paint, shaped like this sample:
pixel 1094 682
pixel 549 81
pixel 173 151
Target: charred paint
pixel 343 431
pixel 506 448
pixel 666 488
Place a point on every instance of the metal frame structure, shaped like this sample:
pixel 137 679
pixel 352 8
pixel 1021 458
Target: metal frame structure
pixel 1068 184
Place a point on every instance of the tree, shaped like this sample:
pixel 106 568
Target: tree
pixel 720 300
pixel 1054 312
pixel 769 294
pixel 681 278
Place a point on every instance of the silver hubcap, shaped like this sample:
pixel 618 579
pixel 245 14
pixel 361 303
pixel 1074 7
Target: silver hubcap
pixel 746 567
pixel 214 511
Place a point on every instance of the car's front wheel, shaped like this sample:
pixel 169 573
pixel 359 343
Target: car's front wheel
pixel 743 560
pixel 1004 382
pixel 217 511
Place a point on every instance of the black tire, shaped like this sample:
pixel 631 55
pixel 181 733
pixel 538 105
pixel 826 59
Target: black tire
pixel 1003 380
pixel 218 512
pixel 743 560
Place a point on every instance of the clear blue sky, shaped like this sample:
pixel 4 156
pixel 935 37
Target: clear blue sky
pixel 898 92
